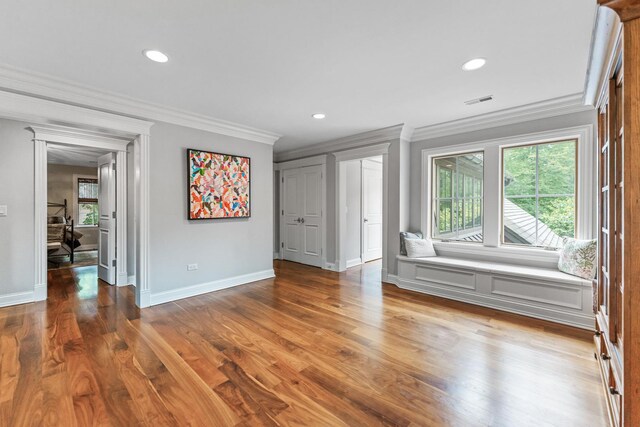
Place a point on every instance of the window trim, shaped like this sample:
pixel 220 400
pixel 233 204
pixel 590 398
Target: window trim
pixel 492 204
pixel 576 195
pixel 76 207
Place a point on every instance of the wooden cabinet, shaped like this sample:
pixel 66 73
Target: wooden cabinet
pixel 617 335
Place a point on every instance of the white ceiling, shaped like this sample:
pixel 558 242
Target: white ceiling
pixel 367 64
pixel 73 155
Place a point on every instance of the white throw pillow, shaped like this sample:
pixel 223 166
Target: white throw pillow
pixel 419 248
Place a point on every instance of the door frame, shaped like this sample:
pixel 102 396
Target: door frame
pixel 341 198
pixel 44 135
pixel 295 164
pixel 42 112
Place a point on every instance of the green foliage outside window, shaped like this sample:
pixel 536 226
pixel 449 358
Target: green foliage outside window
pixel 540 179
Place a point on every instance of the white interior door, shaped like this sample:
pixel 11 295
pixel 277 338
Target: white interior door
pixel 292 212
pixel 371 210
pixel 302 212
pixel 107 222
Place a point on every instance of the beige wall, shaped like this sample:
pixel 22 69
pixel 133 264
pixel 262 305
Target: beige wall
pixel 60 187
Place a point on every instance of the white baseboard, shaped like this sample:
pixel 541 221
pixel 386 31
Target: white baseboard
pixel 145 299
pixel 122 279
pixel 392 279
pixel 330 266
pixel 40 292
pixel 17 298
pixel 276 255
pixel 353 262
pixel 202 288
pixel 132 280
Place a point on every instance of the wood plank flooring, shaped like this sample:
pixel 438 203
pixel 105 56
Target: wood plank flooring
pixel 310 347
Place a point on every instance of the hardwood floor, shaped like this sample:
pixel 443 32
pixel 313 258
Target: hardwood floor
pixel 308 348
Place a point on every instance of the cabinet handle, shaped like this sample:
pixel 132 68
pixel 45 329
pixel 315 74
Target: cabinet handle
pixel 613 390
pixel 605 356
pixel 597 333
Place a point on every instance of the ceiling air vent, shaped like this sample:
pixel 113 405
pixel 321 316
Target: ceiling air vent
pixel 479 100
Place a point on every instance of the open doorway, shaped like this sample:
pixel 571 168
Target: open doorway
pixel 362 182
pixel 86 211
pixel 364 211
pixel 72 206
pixel 81 209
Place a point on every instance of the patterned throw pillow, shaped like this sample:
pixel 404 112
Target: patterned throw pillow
pixel 407 235
pixel 579 258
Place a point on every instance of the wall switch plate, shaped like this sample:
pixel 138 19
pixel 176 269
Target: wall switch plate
pixel 191 267
pixel 3 210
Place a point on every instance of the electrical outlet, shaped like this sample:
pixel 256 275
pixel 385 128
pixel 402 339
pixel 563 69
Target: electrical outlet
pixel 191 267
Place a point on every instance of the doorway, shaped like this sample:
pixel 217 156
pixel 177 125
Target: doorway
pixel 362 182
pixel 82 210
pixel 364 211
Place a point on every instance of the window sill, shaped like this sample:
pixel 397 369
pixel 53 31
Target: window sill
pixel 507 254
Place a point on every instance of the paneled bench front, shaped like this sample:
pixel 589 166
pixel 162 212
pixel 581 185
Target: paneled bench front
pixel 537 292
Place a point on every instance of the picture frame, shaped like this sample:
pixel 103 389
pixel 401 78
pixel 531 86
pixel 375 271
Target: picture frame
pixel 218 185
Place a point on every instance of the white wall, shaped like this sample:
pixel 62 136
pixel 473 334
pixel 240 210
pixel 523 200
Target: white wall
pixel 354 210
pixel 223 248
pixel 17 261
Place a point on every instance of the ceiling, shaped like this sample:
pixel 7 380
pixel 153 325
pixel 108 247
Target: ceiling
pixel 73 155
pixel 367 64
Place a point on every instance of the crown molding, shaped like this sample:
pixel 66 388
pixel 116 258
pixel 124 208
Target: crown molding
pixel 605 39
pixel 400 132
pixel 538 110
pixel 40 111
pixel 43 86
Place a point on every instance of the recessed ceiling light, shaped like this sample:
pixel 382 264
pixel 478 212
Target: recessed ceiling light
pixel 474 64
pixel 155 55
pixel 319 116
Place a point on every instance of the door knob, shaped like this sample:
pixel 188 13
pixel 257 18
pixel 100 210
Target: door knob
pixel 365 220
pixel 297 220
pixel 302 220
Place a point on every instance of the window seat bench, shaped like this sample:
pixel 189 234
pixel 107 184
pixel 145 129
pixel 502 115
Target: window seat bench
pixel 531 291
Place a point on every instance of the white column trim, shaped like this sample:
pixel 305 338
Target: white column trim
pixel 385 216
pixel 40 218
pixel 141 155
pixel 122 275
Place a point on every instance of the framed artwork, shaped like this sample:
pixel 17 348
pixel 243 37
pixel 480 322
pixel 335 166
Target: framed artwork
pixel 219 185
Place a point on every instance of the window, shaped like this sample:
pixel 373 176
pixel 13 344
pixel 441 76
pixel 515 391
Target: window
pixel 539 193
pixel 457 197
pixel 87 201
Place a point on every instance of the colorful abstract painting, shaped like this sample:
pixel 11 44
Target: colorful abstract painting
pixel 219 185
